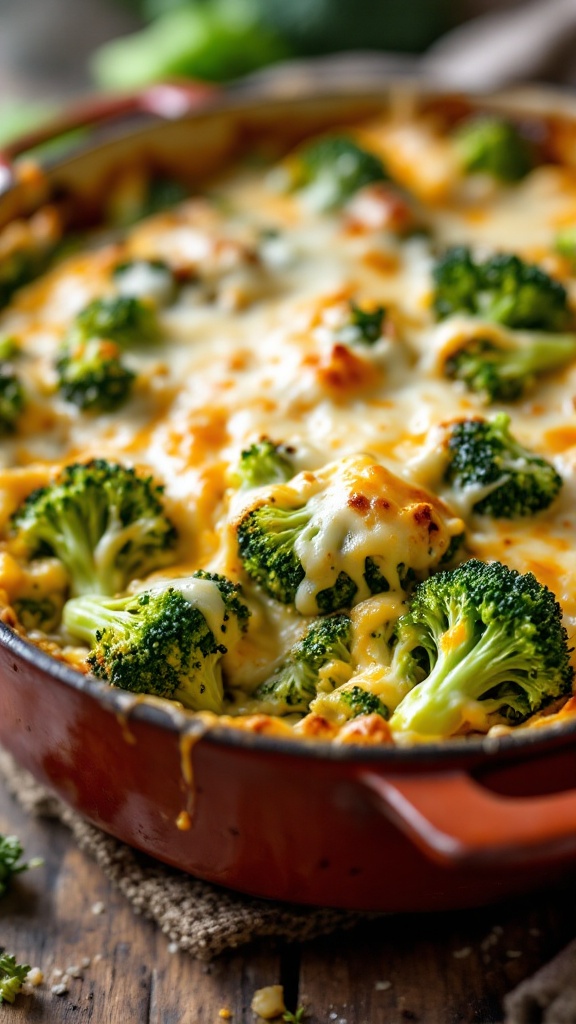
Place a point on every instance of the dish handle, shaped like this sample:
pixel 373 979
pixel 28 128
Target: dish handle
pixel 454 819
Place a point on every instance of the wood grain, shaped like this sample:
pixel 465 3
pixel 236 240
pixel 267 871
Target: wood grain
pixel 47 921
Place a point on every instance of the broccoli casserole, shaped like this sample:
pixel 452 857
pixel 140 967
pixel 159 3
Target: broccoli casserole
pixel 298 449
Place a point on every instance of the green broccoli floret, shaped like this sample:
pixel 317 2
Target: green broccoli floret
pixel 20 267
pixel 295 683
pixel 565 245
pixel 12 400
pixel 167 641
pixel 363 702
pixel 12 977
pixel 494 146
pixel 92 376
pixel 503 371
pixel 283 532
pixel 120 318
pixel 105 523
pixel 330 170
pixel 266 540
pixel 161 194
pixel 364 326
pixel 456 281
pixel 349 700
pixel 9 347
pixel 143 196
pixel 43 613
pixel 492 647
pixel 11 863
pixel 502 289
pixel 485 459
pixel 265 462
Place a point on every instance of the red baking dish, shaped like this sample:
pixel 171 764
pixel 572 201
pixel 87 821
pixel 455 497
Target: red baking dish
pixel 436 826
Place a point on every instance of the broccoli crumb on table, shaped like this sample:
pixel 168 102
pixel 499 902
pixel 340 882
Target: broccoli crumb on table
pixel 429 969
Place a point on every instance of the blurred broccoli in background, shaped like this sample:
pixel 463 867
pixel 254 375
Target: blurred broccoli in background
pixel 494 146
pixel 565 244
pixel 220 39
pixel 502 289
pixel 264 462
pixel 211 40
pixel 12 399
pixel 330 170
pixel 92 376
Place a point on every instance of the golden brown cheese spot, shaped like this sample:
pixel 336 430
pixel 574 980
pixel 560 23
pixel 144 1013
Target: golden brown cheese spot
pixel 384 263
pixel 342 371
pixel 316 727
pixel 366 731
pixel 263 725
pixel 559 439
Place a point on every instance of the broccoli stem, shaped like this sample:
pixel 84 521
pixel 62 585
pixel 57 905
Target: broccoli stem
pixel 86 617
pixel 443 703
pixel 542 352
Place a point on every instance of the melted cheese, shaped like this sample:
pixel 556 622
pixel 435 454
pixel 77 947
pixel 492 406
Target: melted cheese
pixel 247 349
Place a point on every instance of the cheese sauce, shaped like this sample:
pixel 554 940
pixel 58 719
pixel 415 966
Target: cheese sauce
pixel 249 348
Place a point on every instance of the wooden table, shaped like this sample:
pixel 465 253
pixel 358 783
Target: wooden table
pixel 433 969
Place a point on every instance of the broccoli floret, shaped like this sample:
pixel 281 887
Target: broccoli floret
pixel 103 521
pixel 503 289
pixel 493 145
pixel 265 462
pixel 92 376
pixel 266 539
pixel 487 460
pixel 167 641
pixel 364 326
pixel 456 282
pixel 503 371
pixel 144 199
pixel 38 593
pixel 120 318
pixel 491 644
pixel 12 977
pixel 329 171
pixel 9 347
pixel 346 701
pixel 362 702
pixel 295 683
pixel 43 613
pixel 565 244
pixel 20 267
pixel 288 547
pixel 11 863
pixel 12 400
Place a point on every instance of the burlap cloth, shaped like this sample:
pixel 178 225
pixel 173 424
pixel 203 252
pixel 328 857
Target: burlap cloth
pixel 549 997
pixel 200 918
